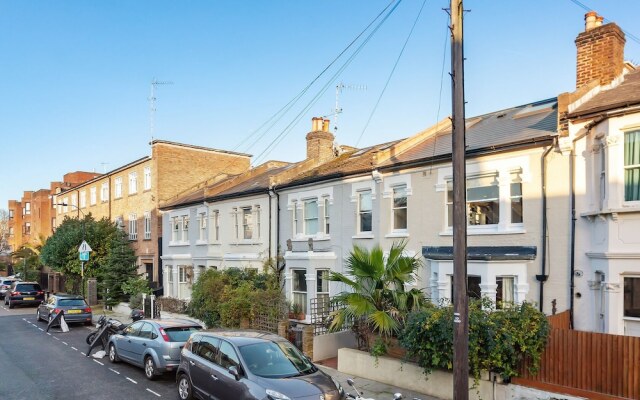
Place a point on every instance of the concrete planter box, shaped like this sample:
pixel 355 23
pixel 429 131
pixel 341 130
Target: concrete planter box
pixel 439 384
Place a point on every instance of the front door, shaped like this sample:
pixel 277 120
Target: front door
pixel 149 271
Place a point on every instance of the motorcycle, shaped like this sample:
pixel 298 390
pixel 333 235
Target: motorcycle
pixel 359 395
pixel 113 326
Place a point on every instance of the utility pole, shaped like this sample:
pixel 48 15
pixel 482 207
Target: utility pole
pixel 460 299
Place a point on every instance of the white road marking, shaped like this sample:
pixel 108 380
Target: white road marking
pixel 129 379
pixel 114 371
pixel 74 348
pixel 56 338
pixel 48 334
pixel 98 362
pixel 157 394
pixel 24 319
pixel 65 343
pixel 41 329
pixel 83 353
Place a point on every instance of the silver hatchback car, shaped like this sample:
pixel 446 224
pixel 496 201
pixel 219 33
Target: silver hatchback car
pixel 154 344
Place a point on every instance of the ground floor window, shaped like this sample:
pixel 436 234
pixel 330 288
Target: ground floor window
pixel 473 287
pixel 632 297
pixel 504 291
pixel 299 289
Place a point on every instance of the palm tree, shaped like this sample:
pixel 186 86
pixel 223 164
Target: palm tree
pixel 377 294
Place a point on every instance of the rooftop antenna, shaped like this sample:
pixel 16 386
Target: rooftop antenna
pixel 338 110
pixel 152 104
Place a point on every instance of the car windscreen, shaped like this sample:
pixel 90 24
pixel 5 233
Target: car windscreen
pixel 71 303
pixel 275 360
pixel 27 287
pixel 180 334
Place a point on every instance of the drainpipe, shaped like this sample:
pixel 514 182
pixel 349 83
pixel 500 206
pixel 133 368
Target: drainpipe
pixel 572 261
pixel 542 278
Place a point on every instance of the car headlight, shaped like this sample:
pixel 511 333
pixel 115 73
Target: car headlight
pixel 276 395
pixel 338 386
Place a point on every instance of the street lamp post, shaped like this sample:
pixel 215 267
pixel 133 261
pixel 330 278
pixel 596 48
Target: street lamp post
pixel 83 241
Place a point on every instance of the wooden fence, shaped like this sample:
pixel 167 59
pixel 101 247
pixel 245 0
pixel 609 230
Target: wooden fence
pixel 587 364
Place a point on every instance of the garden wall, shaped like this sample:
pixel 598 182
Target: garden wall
pixel 327 345
pixel 438 384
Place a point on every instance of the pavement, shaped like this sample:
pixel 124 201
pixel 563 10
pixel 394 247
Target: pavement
pixel 368 388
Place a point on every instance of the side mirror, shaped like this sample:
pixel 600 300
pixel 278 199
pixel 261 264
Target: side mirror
pixel 154 336
pixel 350 382
pixel 234 371
pixel 397 396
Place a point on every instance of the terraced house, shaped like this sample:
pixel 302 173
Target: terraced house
pixel 129 195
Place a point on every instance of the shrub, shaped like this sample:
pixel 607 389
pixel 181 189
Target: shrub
pixel 498 340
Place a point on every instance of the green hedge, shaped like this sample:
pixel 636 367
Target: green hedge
pixel 498 339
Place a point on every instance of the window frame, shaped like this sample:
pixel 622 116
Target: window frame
pixel 147 225
pixel 93 197
pixel 104 192
pixel 308 220
pixel 625 314
pixel 395 208
pixel 202 225
pixel 133 182
pixel 326 215
pixel 360 212
pixel 83 199
pixel 147 178
pixel 633 198
pixel 297 291
pixel 117 192
pixel 247 222
pixel 133 226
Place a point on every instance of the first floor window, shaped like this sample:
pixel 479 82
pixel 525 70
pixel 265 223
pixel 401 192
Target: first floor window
pixel 234 214
pixel 133 182
pixel 632 166
pixel 83 199
pixel 27 228
pixel 203 226
pixel 133 227
pixel 185 229
pixel 118 190
pixel 299 282
pixel 147 178
pixel 632 297
pixel 326 212
pixel 516 198
pixel 505 291
pixel 400 208
pixel 216 225
pixel 176 228
pixel 104 192
pixel 92 196
pixel 311 217
pixel 483 201
pixel 147 225
pixel 365 211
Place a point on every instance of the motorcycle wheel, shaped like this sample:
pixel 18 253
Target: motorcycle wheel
pixel 91 337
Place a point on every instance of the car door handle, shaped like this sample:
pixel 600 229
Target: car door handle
pixel 144 344
pixel 215 378
pixel 129 340
pixel 191 362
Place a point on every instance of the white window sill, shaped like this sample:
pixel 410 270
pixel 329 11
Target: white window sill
pixel 178 244
pixel 364 235
pixel 305 238
pixel 634 319
pixel 201 242
pixel 247 242
pixel 398 234
pixel 487 230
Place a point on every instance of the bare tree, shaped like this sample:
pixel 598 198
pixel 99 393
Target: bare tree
pixel 4 231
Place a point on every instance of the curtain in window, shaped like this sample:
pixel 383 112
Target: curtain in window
pixel 632 166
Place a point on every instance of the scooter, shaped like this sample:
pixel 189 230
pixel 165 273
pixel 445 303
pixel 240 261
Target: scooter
pixel 359 395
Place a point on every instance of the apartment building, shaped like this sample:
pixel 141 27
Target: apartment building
pixel 129 195
pixel 32 218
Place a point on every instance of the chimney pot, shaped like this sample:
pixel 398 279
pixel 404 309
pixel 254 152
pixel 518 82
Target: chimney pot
pixel 599 20
pixel 325 125
pixel 590 20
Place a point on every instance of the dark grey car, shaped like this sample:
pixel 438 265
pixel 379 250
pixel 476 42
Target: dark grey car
pixel 250 365
pixel 153 344
pixel 23 293
pixel 75 308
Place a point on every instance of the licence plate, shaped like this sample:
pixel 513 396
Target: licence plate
pixel 74 311
pixel 28 298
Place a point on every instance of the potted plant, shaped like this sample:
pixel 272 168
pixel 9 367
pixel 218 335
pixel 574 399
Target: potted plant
pixel 295 312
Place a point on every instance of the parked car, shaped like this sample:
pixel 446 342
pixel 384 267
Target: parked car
pixel 5 283
pixel 229 365
pixel 21 293
pixel 75 309
pixel 153 344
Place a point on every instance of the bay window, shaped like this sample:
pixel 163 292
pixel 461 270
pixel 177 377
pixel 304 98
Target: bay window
pixel 632 297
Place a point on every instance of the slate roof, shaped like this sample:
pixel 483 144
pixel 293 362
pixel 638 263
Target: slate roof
pixel 528 123
pixel 624 95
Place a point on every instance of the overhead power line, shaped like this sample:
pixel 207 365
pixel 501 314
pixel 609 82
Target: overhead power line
pixel 587 8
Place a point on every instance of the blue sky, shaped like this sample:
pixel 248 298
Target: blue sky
pixel 75 75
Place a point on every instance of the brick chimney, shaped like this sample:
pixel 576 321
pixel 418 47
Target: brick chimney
pixel 600 51
pixel 320 141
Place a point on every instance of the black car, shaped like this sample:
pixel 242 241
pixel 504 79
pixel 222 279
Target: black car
pixel 231 365
pixel 20 293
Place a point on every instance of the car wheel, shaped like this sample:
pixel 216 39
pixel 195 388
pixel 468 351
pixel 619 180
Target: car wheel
pixel 184 388
pixel 113 355
pixel 150 368
pixel 38 318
